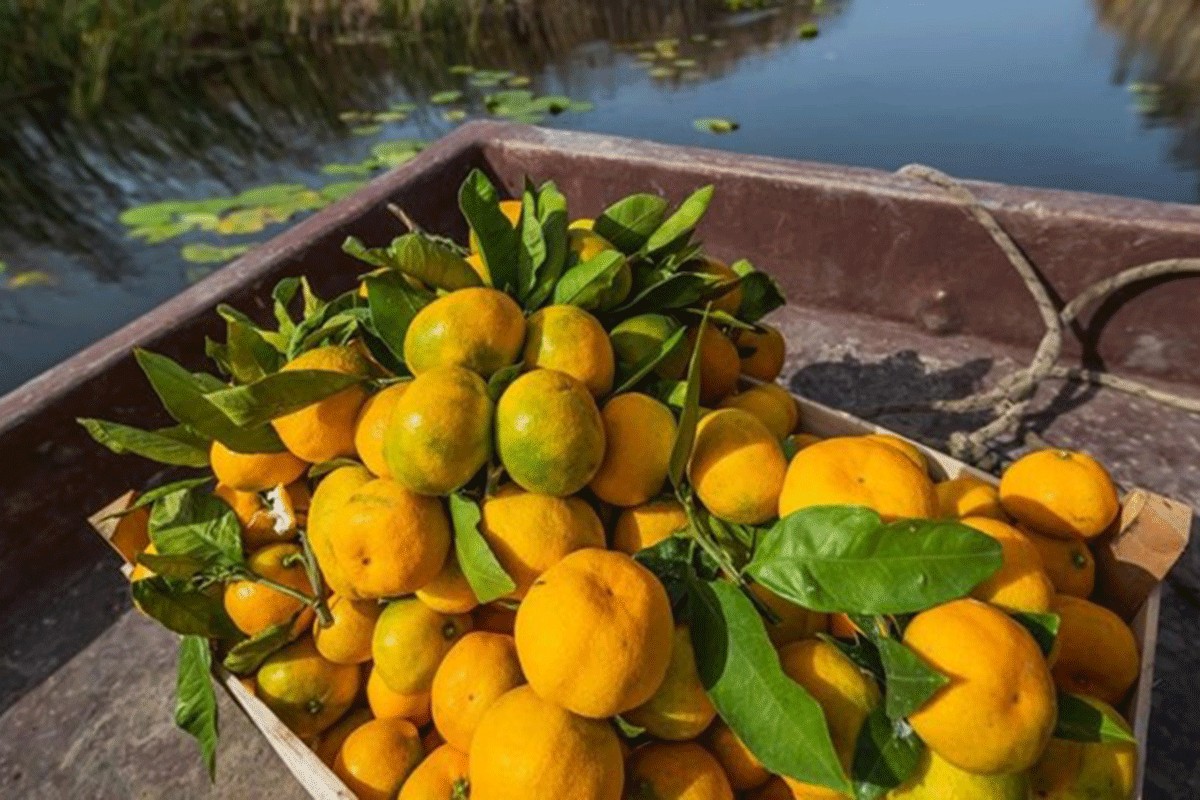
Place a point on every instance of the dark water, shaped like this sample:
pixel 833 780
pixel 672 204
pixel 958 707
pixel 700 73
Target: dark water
pixel 1096 96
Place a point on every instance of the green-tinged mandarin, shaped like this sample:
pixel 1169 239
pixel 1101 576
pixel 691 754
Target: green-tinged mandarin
pixel 410 641
pixel 440 432
pixel 638 432
pixel 571 340
pixel 638 338
pixel 549 433
pixel 935 779
pixel 307 692
pixel 479 328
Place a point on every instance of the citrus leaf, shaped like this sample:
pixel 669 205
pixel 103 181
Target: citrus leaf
pixel 671 562
pixel 628 223
pixel 499 241
pixel 175 567
pixel 685 433
pixel 910 682
pixel 432 263
pixel 500 380
pixel 183 609
pixel 532 253
pixel 552 214
pixel 843 558
pixel 1082 720
pixel 197 524
pixel 628 376
pixel 777 720
pixel 683 221
pixel 483 572
pixel 195 700
pixel 150 495
pixel 885 756
pixel 760 292
pixel 585 283
pixel 1043 627
pixel 393 303
pixel 281 393
pixel 248 354
pixel 177 445
pixel 183 396
pixel 248 655
pixel 675 290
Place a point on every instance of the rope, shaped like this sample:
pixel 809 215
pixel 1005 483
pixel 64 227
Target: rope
pixel 1012 394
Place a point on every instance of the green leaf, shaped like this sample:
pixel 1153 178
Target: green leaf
pixel 432 263
pixel 780 723
pixel 500 380
pixel 195 700
pixel 183 609
pixel 808 30
pixel 177 446
pixel 886 755
pixel 843 558
pixel 151 495
pixel 248 655
pixel 628 376
pixel 248 353
pixel 532 253
pixel 445 98
pixel 685 433
pixel 910 681
pixel 27 279
pixel 177 567
pixel 278 394
pixel 683 221
pixel 669 291
pixel 760 292
pixel 483 572
pixel 585 284
pixel 499 241
pixel 628 223
pixel 183 395
pixel 552 214
pixel 671 561
pixel 269 194
pixel 393 303
pixel 198 524
pixel 1043 627
pixel 717 125
pixel 1081 719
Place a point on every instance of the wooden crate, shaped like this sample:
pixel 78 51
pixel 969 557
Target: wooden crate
pixel 1153 532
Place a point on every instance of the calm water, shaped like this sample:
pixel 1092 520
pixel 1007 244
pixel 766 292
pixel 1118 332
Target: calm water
pixel 1094 96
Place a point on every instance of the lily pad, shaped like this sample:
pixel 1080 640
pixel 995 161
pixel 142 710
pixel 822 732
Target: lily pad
pixel 403 107
pixel 454 115
pixel 808 30
pixel 246 220
pixel 354 116
pixel 366 130
pixel 364 167
pixel 27 279
pixel 647 55
pixel 271 193
pixel 717 125
pixel 517 81
pixel 397 152
pixel 204 253
pixel 390 116
pixel 336 191
pixel 684 63
pixel 446 98
pixel 662 72
pixel 461 69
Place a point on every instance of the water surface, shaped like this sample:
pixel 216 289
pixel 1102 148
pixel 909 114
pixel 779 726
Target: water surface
pixel 1095 96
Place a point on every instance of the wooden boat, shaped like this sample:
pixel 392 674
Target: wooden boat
pixel 886 253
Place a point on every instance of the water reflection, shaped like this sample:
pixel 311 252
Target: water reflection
pixel 1159 59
